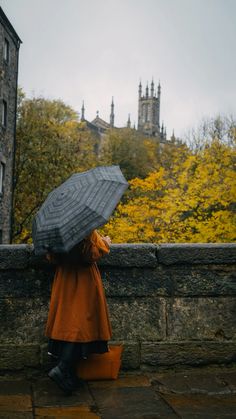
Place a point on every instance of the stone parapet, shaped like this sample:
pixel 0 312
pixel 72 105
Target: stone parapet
pixel 169 304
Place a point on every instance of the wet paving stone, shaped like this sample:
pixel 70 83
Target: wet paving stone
pixel 131 403
pixel 190 406
pixel 184 394
pixel 81 412
pixel 15 399
pixel 190 382
pixel 229 378
pixel 14 387
pixel 46 394
pixel 128 381
pixel 16 415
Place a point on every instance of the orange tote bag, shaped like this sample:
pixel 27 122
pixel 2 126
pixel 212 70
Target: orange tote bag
pixel 101 366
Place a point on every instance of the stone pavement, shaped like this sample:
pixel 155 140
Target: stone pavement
pixel 208 393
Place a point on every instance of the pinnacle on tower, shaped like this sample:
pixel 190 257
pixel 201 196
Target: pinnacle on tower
pixel 129 122
pixel 152 88
pixel 140 90
pixel 159 90
pixel 112 115
pixel 82 112
pixel 173 136
pixel 162 128
pixel 147 91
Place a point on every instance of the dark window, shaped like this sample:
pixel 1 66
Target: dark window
pixel 6 50
pixel 0 236
pixel 2 169
pixel 4 113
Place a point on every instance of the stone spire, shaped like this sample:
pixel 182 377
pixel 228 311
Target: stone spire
pixel 129 122
pixel 140 90
pixel 159 91
pixel 162 130
pixel 152 88
pixel 82 112
pixel 112 115
pixel 173 136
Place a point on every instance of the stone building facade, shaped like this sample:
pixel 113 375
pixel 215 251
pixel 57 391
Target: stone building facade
pixel 149 106
pixel 9 51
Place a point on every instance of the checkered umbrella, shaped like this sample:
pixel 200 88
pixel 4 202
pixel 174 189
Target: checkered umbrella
pixel 81 204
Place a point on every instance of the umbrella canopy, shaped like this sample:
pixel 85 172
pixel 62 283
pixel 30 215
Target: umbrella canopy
pixel 81 204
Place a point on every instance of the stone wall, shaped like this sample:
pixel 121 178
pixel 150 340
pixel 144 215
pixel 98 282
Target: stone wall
pixel 169 304
pixel 8 95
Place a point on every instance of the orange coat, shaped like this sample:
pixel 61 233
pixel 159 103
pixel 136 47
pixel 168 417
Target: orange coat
pixel 78 310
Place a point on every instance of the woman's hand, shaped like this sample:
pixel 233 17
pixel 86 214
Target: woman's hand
pixel 107 239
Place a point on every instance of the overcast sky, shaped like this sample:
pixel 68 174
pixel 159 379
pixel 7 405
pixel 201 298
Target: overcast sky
pixel 92 50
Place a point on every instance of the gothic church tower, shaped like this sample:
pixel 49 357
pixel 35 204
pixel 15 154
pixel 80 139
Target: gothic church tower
pixel 149 111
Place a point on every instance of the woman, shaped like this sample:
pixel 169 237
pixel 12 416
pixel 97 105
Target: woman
pixel 78 322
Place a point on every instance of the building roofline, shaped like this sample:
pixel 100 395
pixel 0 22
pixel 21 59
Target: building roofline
pixel 8 24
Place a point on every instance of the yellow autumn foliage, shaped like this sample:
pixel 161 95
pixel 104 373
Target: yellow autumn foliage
pixel 191 201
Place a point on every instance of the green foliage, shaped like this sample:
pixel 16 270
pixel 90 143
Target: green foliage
pixel 51 145
pixel 136 155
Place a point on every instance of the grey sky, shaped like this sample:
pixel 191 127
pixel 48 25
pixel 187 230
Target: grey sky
pixel 92 50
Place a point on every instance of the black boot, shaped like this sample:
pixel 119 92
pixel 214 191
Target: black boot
pixel 61 374
pixel 62 377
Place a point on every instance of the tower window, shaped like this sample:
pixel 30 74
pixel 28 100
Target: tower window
pixel 2 170
pixel 4 113
pixel 6 51
pixel 148 113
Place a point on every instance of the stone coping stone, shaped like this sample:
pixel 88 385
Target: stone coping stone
pixel 131 255
pixel 16 256
pixel 197 353
pixel 122 255
pixel 197 253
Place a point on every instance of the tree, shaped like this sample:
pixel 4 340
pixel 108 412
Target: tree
pixel 221 128
pixel 50 145
pixel 136 155
pixel 191 201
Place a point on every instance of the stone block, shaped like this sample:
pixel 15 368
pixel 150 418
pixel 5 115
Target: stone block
pixel 25 283
pixel 201 318
pixel 14 256
pixel 137 319
pixel 131 356
pixel 138 282
pixel 131 255
pixel 22 320
pixel 205 280
pixel 154 354
pixel 197 253
pixel 17 357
